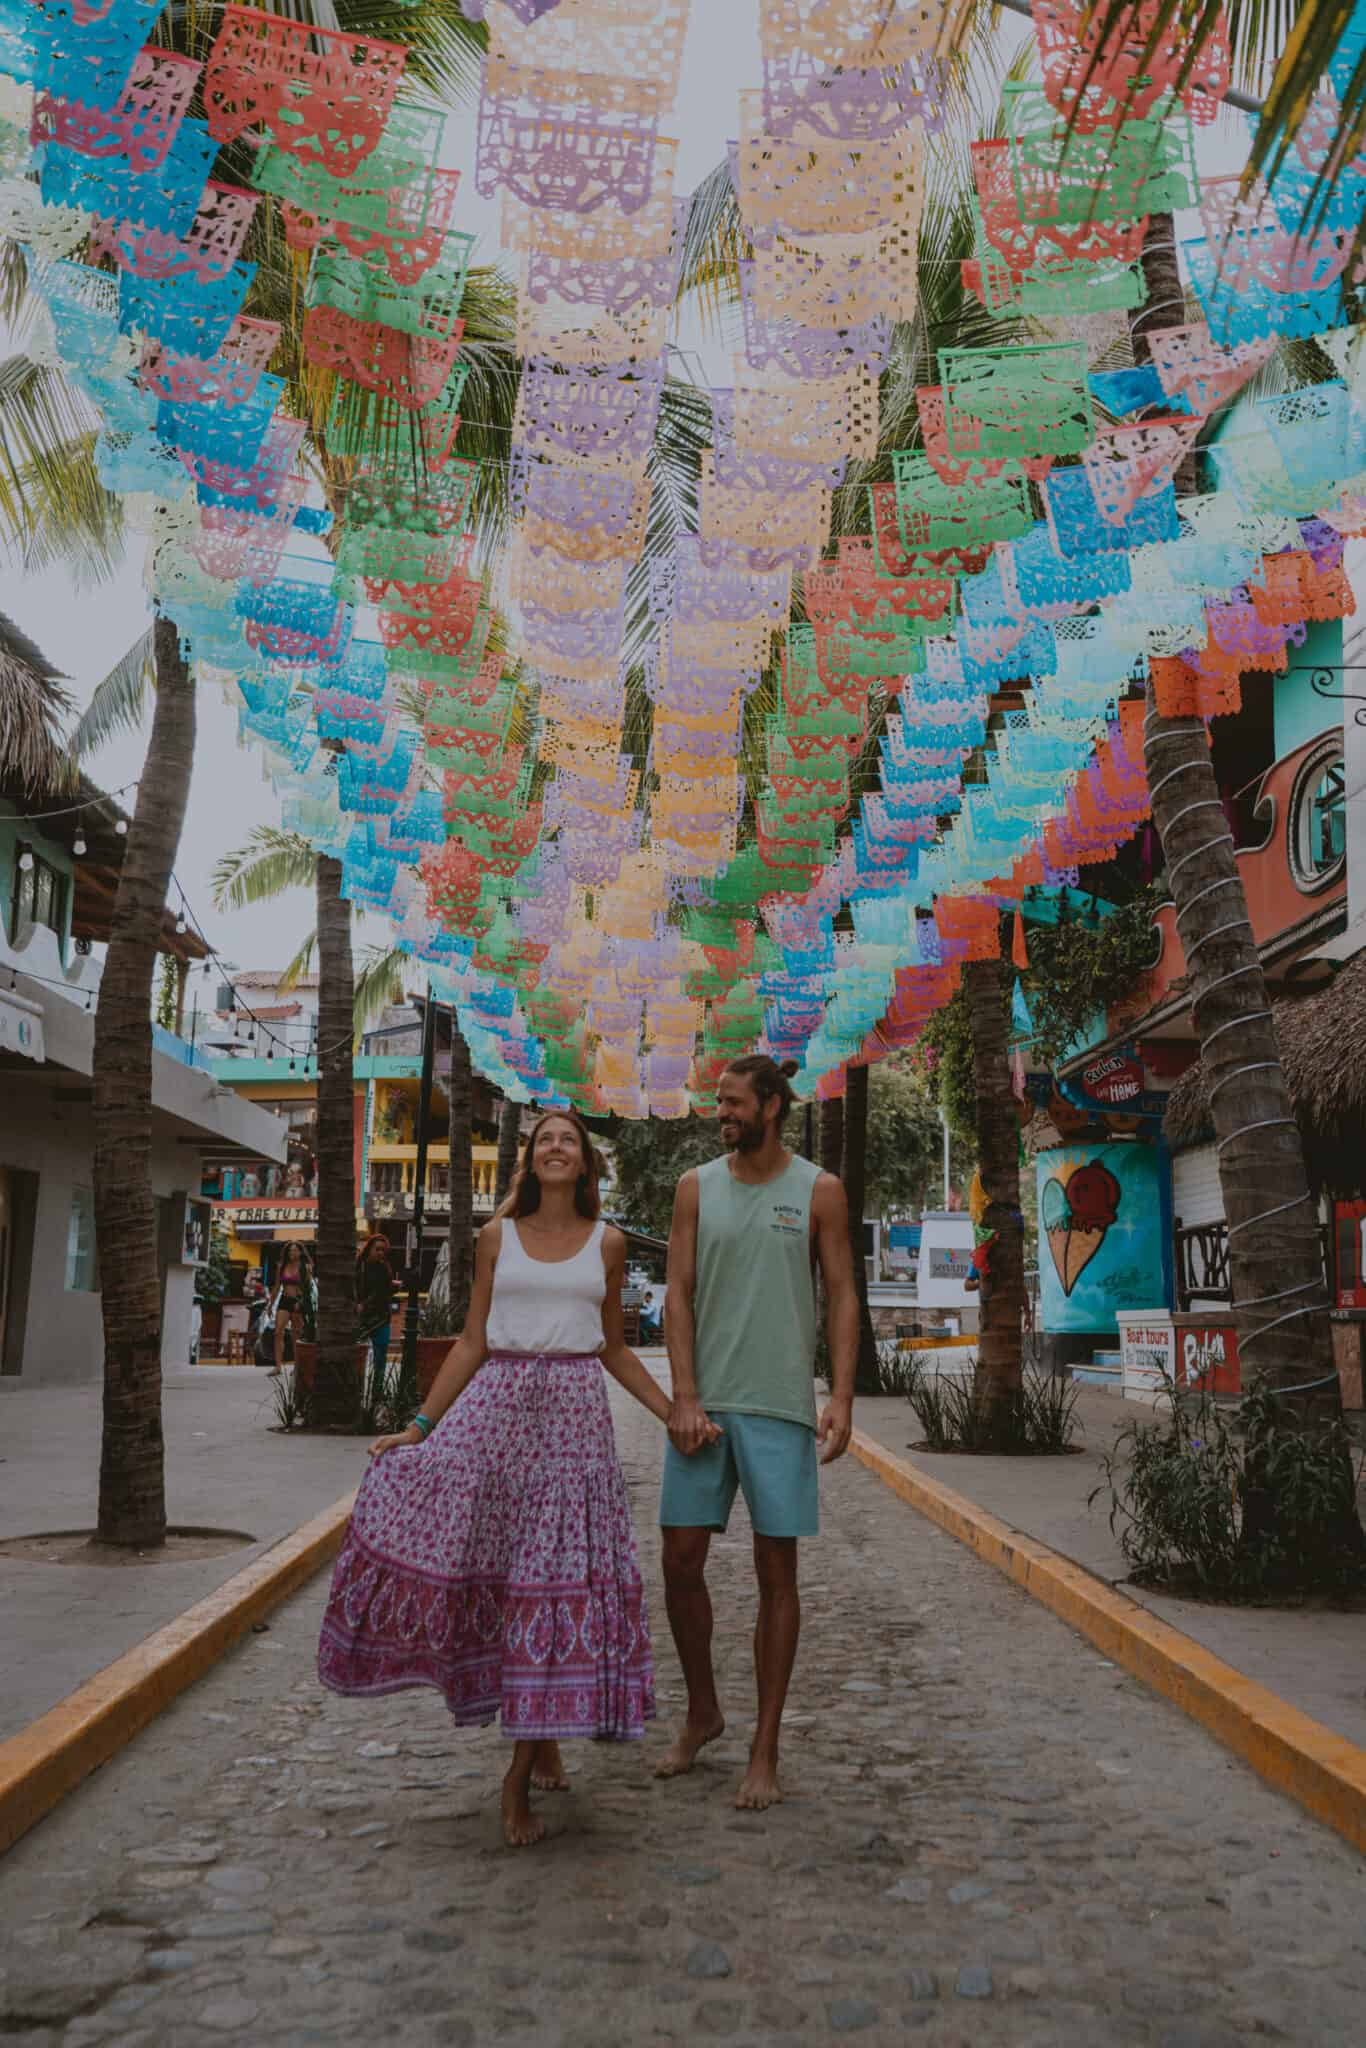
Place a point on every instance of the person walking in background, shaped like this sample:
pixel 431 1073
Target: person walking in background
pixel 491 1552
pixel 375 1287
pixel 294 1282
pixel 740 1326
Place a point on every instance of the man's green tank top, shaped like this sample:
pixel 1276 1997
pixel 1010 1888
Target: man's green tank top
pixel 754 1306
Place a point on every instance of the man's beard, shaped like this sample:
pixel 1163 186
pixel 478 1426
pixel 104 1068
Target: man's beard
pixel 749 1138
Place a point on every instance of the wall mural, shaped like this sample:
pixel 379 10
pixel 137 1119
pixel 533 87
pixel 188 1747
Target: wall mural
pixel 1100 1234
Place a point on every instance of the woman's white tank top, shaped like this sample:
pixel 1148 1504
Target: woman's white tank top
pixel 542 1306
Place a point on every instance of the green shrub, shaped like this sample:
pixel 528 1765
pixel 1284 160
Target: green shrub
pixel 1179 1492
pixel 1040 1421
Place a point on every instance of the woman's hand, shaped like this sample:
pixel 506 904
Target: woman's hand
pixel 411 1435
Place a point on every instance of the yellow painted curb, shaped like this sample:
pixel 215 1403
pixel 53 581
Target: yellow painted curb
pixel 1324 1772
pixel 46 1760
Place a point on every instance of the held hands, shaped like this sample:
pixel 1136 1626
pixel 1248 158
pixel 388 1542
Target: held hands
pixel 411 1435
pixel 690 1427
pixel 835 1428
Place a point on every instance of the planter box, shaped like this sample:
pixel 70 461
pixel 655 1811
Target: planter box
pixel 431 1356
pixel 306 1362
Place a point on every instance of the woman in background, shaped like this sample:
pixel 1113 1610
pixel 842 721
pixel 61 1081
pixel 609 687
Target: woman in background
pixel 290 1290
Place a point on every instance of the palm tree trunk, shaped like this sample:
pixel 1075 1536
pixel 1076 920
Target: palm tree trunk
pixel 866 1380
pixel 336 1389
pixel 832 1135
pixel 509 1133
pixel 996 1376
pixel 132 1504
pixel 459 1092
pixel 1275 1260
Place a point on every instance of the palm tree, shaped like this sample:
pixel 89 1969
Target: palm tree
pixel 271 862
pixel 509 1137
pixel 996 1373
pixel 132 1502
pixel 855 1164
pixel 51 503
pixel 460 1236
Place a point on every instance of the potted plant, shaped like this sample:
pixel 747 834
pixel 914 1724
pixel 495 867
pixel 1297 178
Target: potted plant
pixel 306 1350
pixel 435 1332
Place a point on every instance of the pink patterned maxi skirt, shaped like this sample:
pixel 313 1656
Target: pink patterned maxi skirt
pixel 497 1562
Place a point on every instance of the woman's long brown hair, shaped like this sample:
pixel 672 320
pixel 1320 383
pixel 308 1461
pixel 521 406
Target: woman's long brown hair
pixel 524 1196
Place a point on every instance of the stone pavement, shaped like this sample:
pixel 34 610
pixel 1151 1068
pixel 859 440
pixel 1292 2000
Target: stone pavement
pixel 992 1836
pixel 1315 1658
pixel 225 1469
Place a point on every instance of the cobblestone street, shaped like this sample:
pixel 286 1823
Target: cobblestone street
pixel 991 1835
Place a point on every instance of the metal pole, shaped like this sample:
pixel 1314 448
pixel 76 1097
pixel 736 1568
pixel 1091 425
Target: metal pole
pixel 1231 98
pixel 407 1378
pixel 947 1190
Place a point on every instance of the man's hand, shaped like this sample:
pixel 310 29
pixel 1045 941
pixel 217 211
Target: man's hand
pixel 835 1428
pixel 690 1426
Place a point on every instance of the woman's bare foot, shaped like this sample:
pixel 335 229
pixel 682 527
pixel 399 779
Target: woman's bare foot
pixel 681 1754
pixel 521 1827
pixel 759 1787
pixel 548 1773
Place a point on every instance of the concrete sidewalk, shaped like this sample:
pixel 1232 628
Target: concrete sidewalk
pixel 226 1469
pixel 1315 1660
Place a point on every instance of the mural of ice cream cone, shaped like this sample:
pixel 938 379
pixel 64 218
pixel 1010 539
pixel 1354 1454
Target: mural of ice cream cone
pixel 1082 1246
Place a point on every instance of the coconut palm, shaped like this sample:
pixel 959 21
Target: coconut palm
pixel 51 502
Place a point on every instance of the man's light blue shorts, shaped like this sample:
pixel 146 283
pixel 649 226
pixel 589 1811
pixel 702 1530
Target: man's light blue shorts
pixel 772 1461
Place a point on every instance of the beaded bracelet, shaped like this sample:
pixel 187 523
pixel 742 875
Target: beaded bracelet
pixel 425 1424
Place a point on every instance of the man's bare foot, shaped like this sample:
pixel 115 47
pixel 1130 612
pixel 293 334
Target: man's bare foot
pixel 759 1787
pixel 521 1827
pixel 548 1773
pixel 681 1754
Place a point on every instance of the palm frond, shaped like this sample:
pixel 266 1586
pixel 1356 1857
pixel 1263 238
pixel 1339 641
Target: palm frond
pixel 379 983
pixel 119 700
pixel 52 503
pixel 271 861
pixel 714 243
pixel 300 965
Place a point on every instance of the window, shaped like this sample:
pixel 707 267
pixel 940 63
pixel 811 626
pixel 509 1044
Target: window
pixel 438 1179
pixel 81 1276
pixel 1318 818
pixel 39 895
pixel 386 1177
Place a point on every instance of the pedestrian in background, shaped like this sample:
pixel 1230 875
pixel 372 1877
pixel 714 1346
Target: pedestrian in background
pixel 294 1282
pixel 375 1289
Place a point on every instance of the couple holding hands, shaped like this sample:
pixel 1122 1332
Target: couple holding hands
pixel 491 1552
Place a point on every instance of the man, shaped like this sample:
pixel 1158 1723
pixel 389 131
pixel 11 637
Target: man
pixel 740 1326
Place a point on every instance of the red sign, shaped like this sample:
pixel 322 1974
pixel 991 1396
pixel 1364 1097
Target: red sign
pixel 1115 1079
pixel 1349 1254
pixel 1207 1359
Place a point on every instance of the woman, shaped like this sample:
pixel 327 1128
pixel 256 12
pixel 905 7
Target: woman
pixel 375 1285
pixel 491 1552
pixel 289 1302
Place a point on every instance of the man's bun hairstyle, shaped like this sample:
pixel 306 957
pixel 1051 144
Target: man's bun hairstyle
pixel 767 1078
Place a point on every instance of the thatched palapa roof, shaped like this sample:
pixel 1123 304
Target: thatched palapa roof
pixel 33 707
pixel 1323 1054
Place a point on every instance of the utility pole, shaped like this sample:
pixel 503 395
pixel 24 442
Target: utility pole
pixel 407 1376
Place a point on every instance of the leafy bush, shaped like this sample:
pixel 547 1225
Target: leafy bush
pixel 1040 1421
pixel 1180 1490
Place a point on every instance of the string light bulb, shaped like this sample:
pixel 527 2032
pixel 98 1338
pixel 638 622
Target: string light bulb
pixel 180 924
pixel 78 845
pixel 26 862
pixel 121 827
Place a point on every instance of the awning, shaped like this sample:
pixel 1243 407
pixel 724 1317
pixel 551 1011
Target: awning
pixel 21 1026
pixel 276 1233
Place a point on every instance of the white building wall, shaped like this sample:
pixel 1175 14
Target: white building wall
pixel 1196 1194
pixel 63 1335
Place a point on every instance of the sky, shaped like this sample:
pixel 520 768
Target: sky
pixel 84 632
